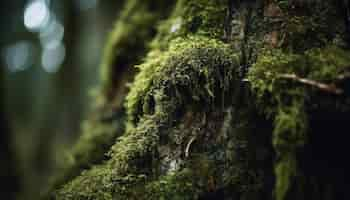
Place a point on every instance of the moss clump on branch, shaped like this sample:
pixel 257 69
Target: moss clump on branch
pixel 126 45
pixel 159 67
pixel 191 122
pixel 283 83
pixel 149 114
pixel 195 69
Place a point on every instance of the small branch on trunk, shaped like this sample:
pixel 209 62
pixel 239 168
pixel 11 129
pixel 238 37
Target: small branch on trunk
pixel 331 88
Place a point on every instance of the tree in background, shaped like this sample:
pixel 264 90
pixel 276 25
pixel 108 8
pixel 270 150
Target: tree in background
pixel 8 159
pixel 44 94
pixel 231 100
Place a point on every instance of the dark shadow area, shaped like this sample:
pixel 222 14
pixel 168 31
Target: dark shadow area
pixel 325 158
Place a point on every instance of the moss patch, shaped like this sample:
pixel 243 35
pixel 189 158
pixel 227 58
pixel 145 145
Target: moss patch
pixel 195 69
pixel 192 17
pixel 284 100
pixel 97 138
pixel 186 55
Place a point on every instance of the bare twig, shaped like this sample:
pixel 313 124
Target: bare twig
pixel 189 145
pixel 331 88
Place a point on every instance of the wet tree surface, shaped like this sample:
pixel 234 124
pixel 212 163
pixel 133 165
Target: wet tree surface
pixel 220 99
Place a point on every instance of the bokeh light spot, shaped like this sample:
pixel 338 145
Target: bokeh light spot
pixel 52 35
pixel 36 15
pixel 18 56
pixel 53 58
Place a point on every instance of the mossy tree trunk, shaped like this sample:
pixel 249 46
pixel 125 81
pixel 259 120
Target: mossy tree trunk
pixel 231 100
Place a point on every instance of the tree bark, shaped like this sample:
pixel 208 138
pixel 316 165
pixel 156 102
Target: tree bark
pixel 232 100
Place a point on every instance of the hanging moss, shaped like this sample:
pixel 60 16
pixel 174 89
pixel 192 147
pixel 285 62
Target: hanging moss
pixel 152 72
pixel 126 45
pixel 284 99
pixel 186 68
pixel 196 66
pixel 192 126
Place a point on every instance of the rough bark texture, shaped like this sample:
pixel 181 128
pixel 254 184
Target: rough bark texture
pixel 232 100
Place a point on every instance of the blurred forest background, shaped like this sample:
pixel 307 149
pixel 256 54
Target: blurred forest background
pixel 50 53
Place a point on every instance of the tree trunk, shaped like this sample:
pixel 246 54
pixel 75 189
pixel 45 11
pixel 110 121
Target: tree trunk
pixel 232 100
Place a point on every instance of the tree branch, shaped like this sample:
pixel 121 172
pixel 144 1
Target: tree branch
pixel 331 88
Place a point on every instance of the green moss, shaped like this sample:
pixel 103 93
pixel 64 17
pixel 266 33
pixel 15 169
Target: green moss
pixel 184 55
pixel 134 150
pixel 199 17
pixel 115 177
pixel 285 171
pixel 174 186
pixel 205 17
pixel 307 24
pixel 128 42
pixel 192 66
pixel 284 99
pixel 96 184
pixel 290 126
pixel 93 184
pixel 97 138
pixel 328 63
pixel 126 45
pixel 318 64
pixel 188 66
pixel 185 69
pixel 201 67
